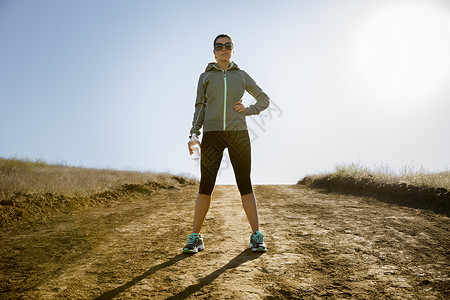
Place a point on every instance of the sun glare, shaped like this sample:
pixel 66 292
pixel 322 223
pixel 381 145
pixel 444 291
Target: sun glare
pixel 400 52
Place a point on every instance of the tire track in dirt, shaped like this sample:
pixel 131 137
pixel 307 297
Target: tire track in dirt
pixel 226 235
pixel 319 245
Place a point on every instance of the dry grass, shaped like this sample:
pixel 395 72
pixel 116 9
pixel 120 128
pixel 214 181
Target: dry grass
pixel 383 173
pixel 22 176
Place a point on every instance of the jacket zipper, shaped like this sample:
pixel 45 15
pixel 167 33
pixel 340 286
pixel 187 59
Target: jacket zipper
pixel 224 100
pixel 225 94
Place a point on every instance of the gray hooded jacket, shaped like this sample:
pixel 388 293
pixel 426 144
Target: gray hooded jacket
pixel 217 93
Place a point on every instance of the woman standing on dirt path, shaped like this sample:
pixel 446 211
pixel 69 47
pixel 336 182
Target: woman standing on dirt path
pixel 219 109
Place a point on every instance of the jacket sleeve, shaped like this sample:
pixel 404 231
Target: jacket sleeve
pixel 200 106
pixel 262 100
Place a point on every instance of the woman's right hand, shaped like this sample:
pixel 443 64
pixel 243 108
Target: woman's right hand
pixel 192 143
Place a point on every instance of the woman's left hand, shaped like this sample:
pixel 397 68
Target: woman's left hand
pixel 239 107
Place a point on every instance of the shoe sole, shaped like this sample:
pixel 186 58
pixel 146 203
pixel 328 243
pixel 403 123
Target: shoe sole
pixel 259 249
pixel 198 249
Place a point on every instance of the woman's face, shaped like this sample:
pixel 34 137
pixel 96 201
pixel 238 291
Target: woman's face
pixel 223 55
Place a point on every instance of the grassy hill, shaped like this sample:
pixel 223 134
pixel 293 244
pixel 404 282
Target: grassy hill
pixel 34 190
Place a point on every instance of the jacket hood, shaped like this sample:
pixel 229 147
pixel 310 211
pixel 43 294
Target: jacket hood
pixel 213 67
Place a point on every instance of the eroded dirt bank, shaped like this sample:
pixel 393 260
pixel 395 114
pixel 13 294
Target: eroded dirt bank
pixel 402 193
pixel 320 245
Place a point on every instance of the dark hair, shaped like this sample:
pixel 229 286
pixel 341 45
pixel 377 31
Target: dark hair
pixel 221 36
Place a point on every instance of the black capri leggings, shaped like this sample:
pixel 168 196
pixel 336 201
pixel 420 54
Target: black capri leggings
pixel 212 145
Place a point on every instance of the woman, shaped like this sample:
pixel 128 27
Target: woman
pixel 219 109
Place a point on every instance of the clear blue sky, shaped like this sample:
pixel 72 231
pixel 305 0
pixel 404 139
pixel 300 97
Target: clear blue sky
pixel 111 84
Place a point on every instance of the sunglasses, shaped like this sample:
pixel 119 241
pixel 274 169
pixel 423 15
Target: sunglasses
pixel 219 46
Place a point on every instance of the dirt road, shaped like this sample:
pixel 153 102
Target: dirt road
pixel 319 246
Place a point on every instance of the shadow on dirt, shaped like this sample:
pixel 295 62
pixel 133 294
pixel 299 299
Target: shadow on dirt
pixel 243 257
pixel 112 293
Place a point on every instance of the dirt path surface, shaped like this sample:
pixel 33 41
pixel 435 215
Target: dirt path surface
pixel 320 245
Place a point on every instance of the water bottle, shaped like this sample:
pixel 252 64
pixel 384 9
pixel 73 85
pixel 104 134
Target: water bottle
pixel 195 148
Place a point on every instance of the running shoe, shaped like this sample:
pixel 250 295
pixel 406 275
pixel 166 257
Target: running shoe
pixel 256 242
pixel 194 244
